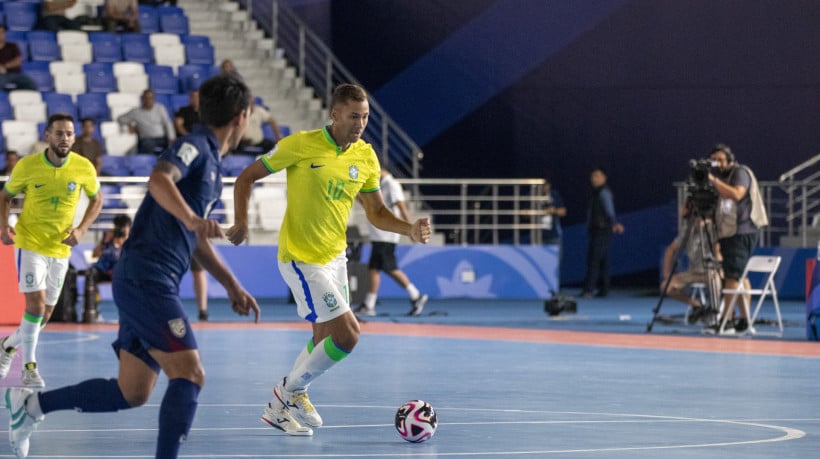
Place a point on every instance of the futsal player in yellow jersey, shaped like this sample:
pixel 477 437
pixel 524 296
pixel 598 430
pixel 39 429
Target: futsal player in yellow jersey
pixel 43 236
pixel 326 169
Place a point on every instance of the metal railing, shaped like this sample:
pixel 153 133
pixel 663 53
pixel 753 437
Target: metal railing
pixel 318 67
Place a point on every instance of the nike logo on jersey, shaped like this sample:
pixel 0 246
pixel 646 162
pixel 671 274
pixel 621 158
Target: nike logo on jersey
pixel 38 186
pixel 316 166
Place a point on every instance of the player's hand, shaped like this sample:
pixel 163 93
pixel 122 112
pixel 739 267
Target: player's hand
pixel 73 238
pixel 6 235
pixel 237 234
pixel 243 303
pixel 618 228
pixel 421 231
pixel 206 228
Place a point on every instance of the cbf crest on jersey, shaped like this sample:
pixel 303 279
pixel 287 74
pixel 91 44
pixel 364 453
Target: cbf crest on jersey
pixel 177 327
pixel 354 172
pixel 72 186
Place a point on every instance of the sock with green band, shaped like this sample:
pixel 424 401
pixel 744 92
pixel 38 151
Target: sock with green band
pixel 323 356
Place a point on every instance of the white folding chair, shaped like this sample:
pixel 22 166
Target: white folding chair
pixel 763 267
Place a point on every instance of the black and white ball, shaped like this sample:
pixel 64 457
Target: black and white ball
pixel 416 421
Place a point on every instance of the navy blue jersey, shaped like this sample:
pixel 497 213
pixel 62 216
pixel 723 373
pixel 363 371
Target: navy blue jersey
pixel 160 247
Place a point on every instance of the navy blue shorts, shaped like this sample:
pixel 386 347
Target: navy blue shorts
pixel 151 317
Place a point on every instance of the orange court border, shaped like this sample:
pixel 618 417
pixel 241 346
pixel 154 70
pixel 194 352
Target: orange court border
pixel 622 340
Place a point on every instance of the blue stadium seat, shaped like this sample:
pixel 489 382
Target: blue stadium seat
pixel 141 164
pixel 41 35
pixel 39 72
pixel 93 105
pixel 267 132
pixel 20 15
pixel 115 166
pixel 284 130
pixel 100 77
pixel 196 39
pixel 95 37
pixel 111 196
pixel 165 101
pixel 199 53
pixel 169 10
pixel 107 51
pixel 175 24
pixel 148 19
pixel 137 48
pixel 233 165
pixel 6 111
pixel 161 79
pixel 59 103
pixel 191 76
pixel 43 50
pixel 178 101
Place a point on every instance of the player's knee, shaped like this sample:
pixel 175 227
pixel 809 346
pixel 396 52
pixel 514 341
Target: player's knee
pixel 137 396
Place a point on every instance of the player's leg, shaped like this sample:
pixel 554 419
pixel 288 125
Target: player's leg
pixel 200 281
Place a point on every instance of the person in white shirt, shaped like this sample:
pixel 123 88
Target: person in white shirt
pixel 383 253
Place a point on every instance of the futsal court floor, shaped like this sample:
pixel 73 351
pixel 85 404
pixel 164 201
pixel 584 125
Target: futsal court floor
pixel 505 379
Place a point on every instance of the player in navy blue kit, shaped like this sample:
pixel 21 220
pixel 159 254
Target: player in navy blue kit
pixel 170 227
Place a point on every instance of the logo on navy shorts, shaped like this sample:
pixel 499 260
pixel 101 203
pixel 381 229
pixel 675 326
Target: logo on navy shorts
pixel 330 301
pixel 354 172
pixel 177 327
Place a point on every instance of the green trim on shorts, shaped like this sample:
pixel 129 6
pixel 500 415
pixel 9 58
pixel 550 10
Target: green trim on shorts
pixel 333 351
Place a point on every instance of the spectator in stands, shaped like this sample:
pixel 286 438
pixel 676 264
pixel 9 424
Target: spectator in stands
pixel 151 123
pixel 254 136
pixel 11 62
pixel 53 18
pixel 121 15
pixel 107 252
pixel 187 116
pixel 603 223
pixel 228 67
pixel 11 161
pixel 88 146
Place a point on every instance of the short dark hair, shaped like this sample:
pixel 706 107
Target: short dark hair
pixel 59 117
pixel 730 157
pixel 221 98
pixel 121 221
pixel 88 118
pixel 346 92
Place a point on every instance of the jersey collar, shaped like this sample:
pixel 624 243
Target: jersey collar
pixel 50 164
pixel 332 142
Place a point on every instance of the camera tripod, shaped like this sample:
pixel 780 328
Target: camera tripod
pixel 705 231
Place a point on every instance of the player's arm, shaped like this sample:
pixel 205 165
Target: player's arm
pixel 179 125
pixel 7 230
pixel 241 196
pixel 241 301
pixel 95 204
pixel 162 186
pixel 382 218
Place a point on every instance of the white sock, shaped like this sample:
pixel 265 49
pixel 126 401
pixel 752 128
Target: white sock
pixel 370 300
pixel 322 357
pixel 29 334
pixel 413 292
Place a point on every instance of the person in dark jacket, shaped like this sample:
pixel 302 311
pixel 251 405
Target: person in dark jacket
pixel 602 224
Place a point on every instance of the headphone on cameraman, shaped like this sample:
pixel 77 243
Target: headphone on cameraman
pixel 730 157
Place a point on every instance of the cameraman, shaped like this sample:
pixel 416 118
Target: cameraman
pixel 737 234
pixel 107 253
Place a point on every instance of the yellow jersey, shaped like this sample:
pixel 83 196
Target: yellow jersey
pixel 51 197
pixel 323 182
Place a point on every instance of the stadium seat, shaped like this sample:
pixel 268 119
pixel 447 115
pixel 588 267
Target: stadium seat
pixel 115 166
pixel 6 110
pixel 173 23
pixel 72 37
pixel 191 76
pixel 141 164
pixel 69 77
pixel 284 130
pixel 77 52
pixel 44 50
pixel 148 19
pixel 131 77
pixel 59 103
pixel 107 51
pixel 199 53
pixel 109 128
pixel 41 35
pixel 172 55
pixel 120 103
pixel 100 77
pixel 20 15
pixel 20 135
pixel 196 39
pixel 163 39
pixel 121 144
pixel 18 38
pixel 233 165
pixel 97 37
pixel 93 105
pixel 178 101
pixel 39 72
pixel 161 79
pixel 132 195
pixel 24 97
pixel 111 193
pixel 136 47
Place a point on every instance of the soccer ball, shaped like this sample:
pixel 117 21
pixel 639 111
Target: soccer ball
pixel 416 421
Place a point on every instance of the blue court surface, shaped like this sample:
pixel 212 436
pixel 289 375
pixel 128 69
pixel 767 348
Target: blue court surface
pixel 505 379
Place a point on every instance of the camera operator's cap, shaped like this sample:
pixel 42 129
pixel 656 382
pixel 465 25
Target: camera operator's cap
pixel 730 157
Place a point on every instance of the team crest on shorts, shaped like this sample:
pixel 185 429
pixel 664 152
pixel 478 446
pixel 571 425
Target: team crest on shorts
pixel 330 301
pixel 72 186
pixel 177 327
pixel 354 172
pixel 29 279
